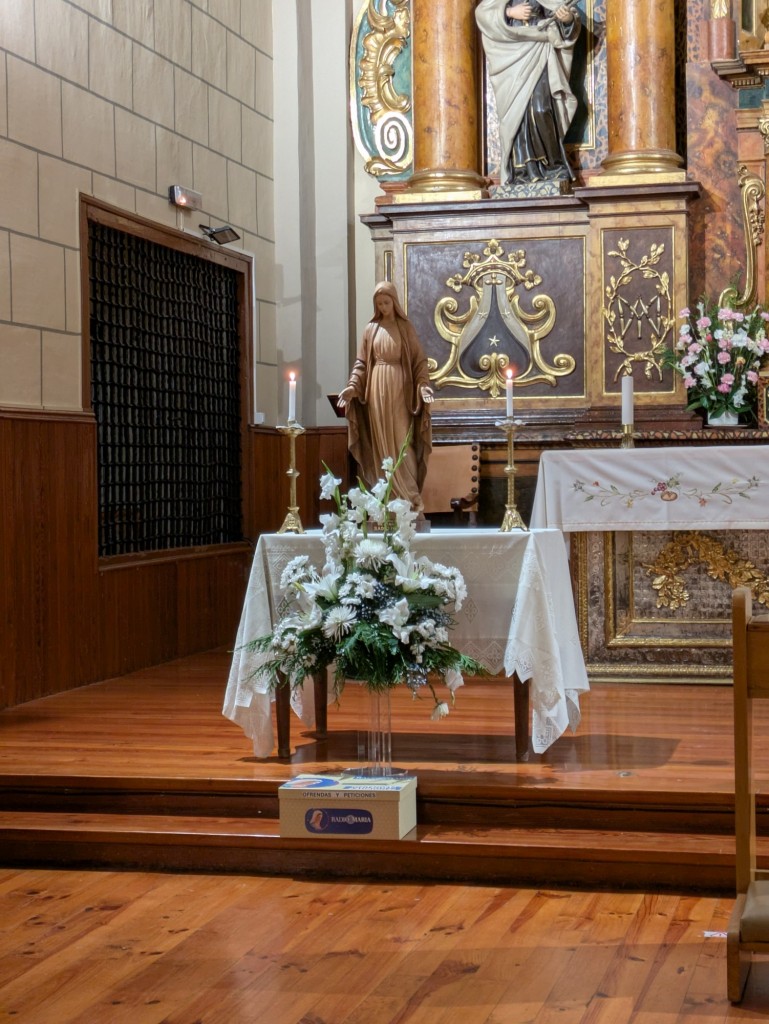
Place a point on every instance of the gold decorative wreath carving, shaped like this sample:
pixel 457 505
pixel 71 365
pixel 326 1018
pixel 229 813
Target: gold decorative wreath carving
pixel 693 548
pixel 494 277
pixel 628 317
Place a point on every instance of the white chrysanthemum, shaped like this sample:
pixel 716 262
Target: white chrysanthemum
pixel 284 636
pixel 371 553
pixel 295 570
pixel 339 621
pixel 348 592
pixel 449 583
pixel 440 710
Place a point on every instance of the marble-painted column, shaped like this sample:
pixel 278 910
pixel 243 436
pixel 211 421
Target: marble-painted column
pixel 445 94
pixel 640 47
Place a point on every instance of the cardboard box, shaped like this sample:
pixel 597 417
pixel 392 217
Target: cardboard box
pixel 332 807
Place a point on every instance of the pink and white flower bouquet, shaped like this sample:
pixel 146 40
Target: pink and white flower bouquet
pixel 718 354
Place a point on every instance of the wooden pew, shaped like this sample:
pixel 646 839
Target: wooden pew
pixel 748 930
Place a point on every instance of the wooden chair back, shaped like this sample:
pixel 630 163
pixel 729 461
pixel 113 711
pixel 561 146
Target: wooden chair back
pixel 452 479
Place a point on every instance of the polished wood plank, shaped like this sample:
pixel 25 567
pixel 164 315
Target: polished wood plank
pixel 166 722
pixel 143 771
pixel 149 948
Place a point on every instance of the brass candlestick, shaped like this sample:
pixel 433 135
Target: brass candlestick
pixel 512 518
pixel 292 523
pixel 627 436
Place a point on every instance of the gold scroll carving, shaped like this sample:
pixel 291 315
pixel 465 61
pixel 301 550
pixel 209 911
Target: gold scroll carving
pixel 753 191
pixel 387 108
pixel 494 278
pixel 723 563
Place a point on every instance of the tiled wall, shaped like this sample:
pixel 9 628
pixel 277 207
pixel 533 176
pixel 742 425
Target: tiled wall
pixel 120 99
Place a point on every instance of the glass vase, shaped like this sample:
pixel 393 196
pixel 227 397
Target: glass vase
pixel 375 744
pixel 378 752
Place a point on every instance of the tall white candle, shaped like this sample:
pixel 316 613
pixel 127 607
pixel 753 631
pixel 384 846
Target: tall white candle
pixel 509 394
pixel 291 397
pixel 627 399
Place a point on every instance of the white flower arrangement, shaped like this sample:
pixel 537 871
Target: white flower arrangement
pixel 374 611
pixel 718 353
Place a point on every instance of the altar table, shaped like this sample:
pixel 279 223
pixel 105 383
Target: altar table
pixel 518 617
pixel 604 489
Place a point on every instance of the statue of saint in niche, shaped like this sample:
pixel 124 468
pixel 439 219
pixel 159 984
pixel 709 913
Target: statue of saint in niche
pixel 387 396
pixel 529 48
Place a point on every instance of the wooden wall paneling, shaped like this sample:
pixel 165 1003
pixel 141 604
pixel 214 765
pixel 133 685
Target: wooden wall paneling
pixel 68 553
pixel 138 616
pixel 268 484
pixel 324 445
pixel 11 544
pixel 210 594
pixel 49 566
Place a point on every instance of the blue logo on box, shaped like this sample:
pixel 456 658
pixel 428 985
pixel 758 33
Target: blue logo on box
pixel 349 822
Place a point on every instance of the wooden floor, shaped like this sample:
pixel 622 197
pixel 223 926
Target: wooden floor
pixel 146 948
pixel 601 872
pixel 144 772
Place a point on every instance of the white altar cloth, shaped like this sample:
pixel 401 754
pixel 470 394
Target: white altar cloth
pixel 518 616
pixel 604 489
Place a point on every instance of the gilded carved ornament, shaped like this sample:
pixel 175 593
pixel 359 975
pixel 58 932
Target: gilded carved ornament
pixel 753 191
pixel 390 26
pixel 719 9
pixel 632 317
pixel 494 278
pixel 694 548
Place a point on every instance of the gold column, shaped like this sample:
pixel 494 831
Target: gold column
pixel 640 48
pixel 445 92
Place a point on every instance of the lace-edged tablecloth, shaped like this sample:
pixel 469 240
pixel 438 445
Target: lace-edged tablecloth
pixel 518 617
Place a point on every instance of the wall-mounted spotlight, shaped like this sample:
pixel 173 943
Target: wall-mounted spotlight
pixel 226 233
pixel 186 198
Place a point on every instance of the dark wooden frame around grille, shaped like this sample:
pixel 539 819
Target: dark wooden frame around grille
pixel 165 318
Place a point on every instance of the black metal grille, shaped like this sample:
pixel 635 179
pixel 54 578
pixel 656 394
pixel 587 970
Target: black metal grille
pixel 165 389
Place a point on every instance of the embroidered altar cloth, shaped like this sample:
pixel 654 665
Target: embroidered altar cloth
pixel 603 489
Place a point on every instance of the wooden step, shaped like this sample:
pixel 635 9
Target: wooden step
pixel 462 800
pixel 577 858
